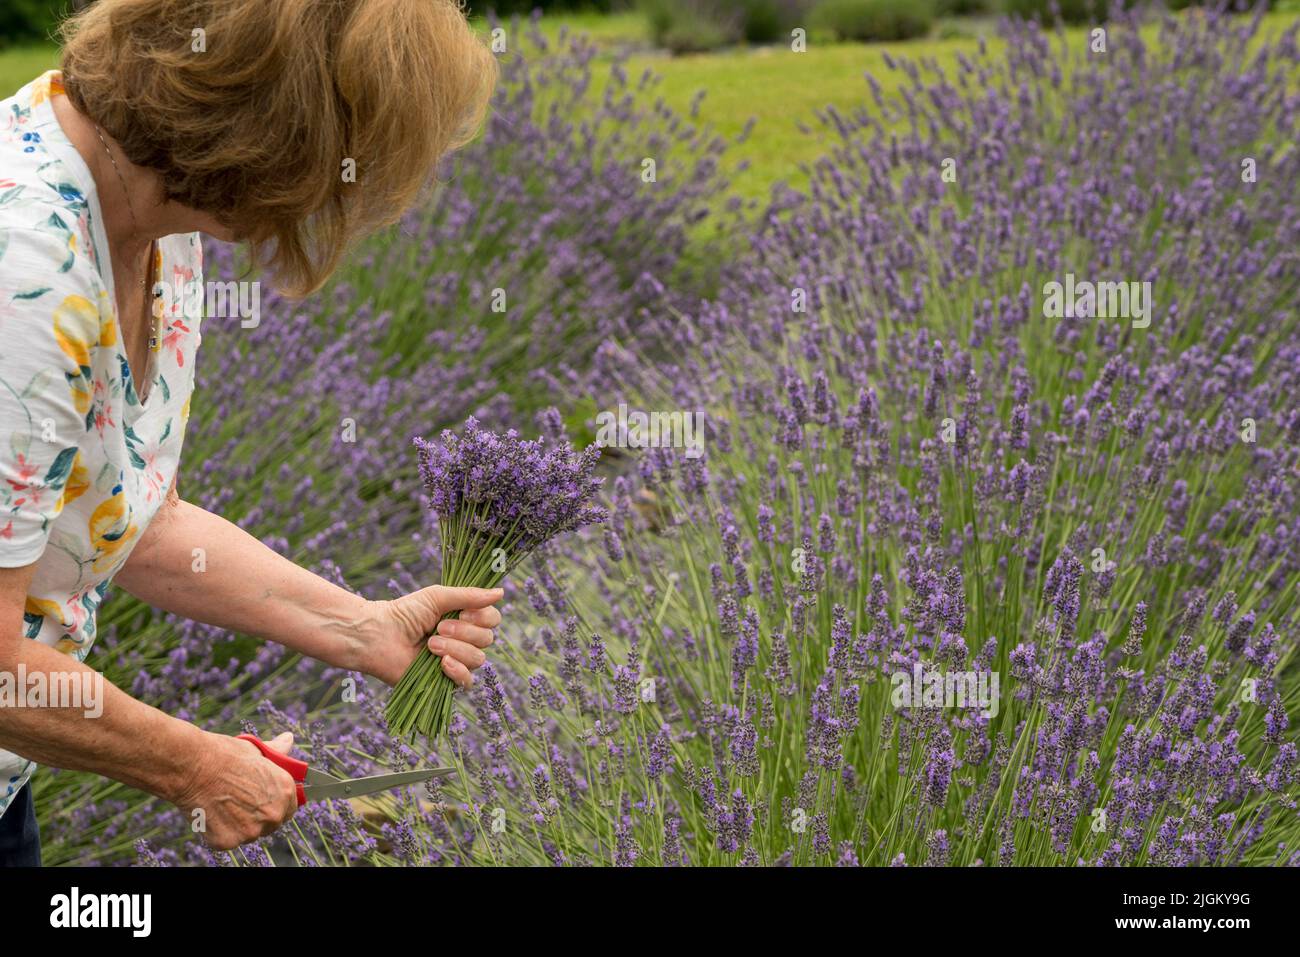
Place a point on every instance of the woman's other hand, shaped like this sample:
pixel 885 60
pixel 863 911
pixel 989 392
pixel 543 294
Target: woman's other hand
pixel 395 631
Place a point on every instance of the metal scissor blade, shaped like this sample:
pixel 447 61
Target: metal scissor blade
pixel 355 787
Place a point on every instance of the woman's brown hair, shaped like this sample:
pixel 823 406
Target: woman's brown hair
pixel 252 109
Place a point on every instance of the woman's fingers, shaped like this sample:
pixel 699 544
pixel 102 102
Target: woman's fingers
pixel 455 669
pixel 464 631
pixel 467 654
pixel 459 599
pixel 483 617
pixel 459 641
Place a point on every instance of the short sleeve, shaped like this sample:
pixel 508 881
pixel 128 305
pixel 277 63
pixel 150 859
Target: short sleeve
pixel 50 321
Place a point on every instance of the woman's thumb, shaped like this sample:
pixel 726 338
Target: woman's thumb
pixel 282 742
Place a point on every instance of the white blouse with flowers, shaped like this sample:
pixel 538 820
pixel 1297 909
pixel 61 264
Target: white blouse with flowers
pixel 84 462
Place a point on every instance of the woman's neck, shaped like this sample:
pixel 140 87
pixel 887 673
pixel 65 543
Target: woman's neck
pixel 129 195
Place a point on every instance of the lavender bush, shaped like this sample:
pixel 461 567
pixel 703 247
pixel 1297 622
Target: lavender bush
pixel 911 468
pixel 936 474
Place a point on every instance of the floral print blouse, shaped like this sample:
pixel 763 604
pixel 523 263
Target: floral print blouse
pixel 84 461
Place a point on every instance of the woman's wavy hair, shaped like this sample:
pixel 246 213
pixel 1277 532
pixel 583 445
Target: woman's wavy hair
pixel 255 111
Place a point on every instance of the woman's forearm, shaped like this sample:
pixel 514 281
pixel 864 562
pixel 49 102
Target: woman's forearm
pixel 103 729
pixel 196 564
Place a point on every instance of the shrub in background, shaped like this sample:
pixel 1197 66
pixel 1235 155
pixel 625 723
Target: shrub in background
pixel 874 20
pixel 770 21
pixel 31 21
pixel 958 8
pixel 1234 5
pixel 1092 11
pixel 1069 11
pixel 693 26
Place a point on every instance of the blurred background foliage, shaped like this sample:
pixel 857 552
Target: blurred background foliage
pixel 688 26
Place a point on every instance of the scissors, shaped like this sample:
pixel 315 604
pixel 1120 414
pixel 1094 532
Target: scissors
pixel 320 785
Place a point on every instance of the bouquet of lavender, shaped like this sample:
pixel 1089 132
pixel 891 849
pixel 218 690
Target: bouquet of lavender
pixel 498 498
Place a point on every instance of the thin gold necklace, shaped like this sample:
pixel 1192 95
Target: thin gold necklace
pixel 155 340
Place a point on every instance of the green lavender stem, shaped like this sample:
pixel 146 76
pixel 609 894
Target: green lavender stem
pixel 422 700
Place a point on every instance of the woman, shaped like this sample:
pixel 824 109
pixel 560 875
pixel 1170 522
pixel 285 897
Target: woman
pixel 295 126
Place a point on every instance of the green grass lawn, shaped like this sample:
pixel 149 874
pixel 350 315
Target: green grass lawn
pixel 21 64
pixel 780 90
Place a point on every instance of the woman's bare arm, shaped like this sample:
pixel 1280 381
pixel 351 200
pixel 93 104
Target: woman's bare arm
pixel 243 795
pixel 247 587
pixel 199 565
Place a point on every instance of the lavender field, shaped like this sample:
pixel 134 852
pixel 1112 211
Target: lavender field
pixel 918 458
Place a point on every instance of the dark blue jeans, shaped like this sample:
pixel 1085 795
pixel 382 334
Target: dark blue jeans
pixel 20 840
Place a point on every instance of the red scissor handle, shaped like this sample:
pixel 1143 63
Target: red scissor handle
pixel 297 769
